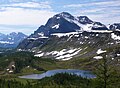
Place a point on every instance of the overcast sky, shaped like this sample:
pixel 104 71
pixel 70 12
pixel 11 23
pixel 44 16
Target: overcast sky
pixel 27 15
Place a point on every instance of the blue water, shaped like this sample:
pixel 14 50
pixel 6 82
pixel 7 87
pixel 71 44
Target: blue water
pixel 82 73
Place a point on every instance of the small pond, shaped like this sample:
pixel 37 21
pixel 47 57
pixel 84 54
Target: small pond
pixel 82 73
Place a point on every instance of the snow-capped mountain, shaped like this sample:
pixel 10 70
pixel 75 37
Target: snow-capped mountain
pixel 65 36
pixel 65 22
pixel 62 23
pixel 11 40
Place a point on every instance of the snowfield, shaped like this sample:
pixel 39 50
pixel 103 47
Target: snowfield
pixel 98 57
pixel 115 37
pixel 65 34
pixel 64 54
pixel 39 55
pixel 6 42
pixel 101 51
pixel 56 26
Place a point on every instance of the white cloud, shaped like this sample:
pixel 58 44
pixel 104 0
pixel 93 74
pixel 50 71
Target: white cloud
pixel 14 0
pixel 73 6
pixel 40 5
pixel 27 13
pixel 31 14
pixel 20 16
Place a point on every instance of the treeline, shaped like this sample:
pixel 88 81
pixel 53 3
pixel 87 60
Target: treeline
pixel 11 84
pixel 60 80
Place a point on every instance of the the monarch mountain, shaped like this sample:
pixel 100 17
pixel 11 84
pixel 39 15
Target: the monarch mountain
pixel 61 23
pixel 11 40
pixel 65 36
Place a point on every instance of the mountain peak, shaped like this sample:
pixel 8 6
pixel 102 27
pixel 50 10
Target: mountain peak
pixel 16 34
pixel 84 20
pixel 115 26
pixel 64 15
pixel 63 23
pixel 13 33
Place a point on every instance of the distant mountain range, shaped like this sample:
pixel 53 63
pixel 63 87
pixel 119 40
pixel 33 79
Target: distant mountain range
pixel 65 36
pixel 11 40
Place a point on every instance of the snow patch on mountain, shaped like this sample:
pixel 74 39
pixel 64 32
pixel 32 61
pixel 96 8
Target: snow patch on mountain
pixel 58 17
pixel 69 55
pixel 64 54
pixel 41 34
pixel 86 37
pixel 32 38
pixel 99 51
pixel 101 31
pixel 39 55
pixel 97 26
pixel 118 54
pixel 86 27
pixel 65 34
pixel 6 42
pixel 98 57
pixel 115 37
pixel 41 37
pixel 56 26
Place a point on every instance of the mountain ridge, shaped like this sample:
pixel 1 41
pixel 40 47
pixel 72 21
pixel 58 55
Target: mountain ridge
pixel 11 40
pixel 64 37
